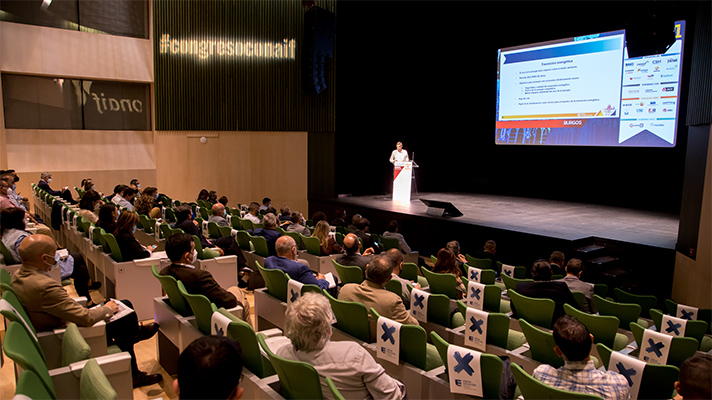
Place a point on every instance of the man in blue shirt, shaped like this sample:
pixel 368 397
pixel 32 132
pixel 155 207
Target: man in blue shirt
pixel 269 232
pixel 285 260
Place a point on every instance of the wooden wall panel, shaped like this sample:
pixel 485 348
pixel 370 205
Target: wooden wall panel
pixel 244 166
pixel 37 50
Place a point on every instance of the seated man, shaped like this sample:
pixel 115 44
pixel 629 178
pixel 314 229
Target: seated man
pixel 210 368
pixel 352 368
pixel 266 204
pixel 372 294
pixel 556 260
pixel 574 268
pixel 285 215
pixel 117 189
pixel 218 215
pixel 695 378
pixel 180 249
pixel 578 375
pixel 125 198
pixel 544 288
pixel 49 306
pixel 224 246
pixel 339 218
pixel 298 224
pixel 352 257
pixel 397 257
pixel 362 231
pixel 392 232
pixel 286 261
pixel 269 232
pixel 252 213
pixel 46 179
pixel 489 252
pixel 6 182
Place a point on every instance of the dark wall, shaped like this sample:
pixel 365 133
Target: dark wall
pixel 424 73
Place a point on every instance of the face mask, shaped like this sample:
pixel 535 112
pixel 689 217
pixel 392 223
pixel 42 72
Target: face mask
pixel 193 256
pixel 224 213
pixel 57 259
pixel 138 186
pixel 13 186
pixel 134 229
pixel 49 180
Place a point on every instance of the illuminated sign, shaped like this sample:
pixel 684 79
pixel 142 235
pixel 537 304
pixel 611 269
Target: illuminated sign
pixel 206 48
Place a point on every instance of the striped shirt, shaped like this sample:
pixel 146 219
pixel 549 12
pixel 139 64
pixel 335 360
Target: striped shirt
pixel 583 377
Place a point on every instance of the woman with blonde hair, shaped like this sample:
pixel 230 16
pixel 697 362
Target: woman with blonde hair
pixel 327 244
pixel 146 204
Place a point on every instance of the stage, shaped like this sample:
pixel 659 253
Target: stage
pixel 526 229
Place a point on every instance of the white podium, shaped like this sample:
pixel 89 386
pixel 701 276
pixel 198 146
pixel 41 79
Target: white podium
pixel 402 174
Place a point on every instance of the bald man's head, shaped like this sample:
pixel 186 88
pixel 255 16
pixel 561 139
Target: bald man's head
pixel 218 209
pixel 285 246
pixel 38 251
pixel 351 243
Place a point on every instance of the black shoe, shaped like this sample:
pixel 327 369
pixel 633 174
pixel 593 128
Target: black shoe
pixel 147 331
pixel 144 379
pixel 95 286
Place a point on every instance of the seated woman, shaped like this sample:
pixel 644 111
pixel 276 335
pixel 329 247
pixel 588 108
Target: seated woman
pixel 327 243
pixel 354 371
pixel 12 223
pixel 130 248
pixel 146 204
pixel 447 264
pixel 89 205
pixel 108 213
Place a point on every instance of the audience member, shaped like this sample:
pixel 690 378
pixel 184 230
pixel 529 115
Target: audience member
pixel 579 375
pixel 46 179
pixel 108 214
pixel 147 203
pixel 49 306
pixel 397 257
pixel 218 215
pixel 574 268
pixel 297 224
pixel 252 213
pixel 695 378
pixel 339 218
pixel 354 221
pixel 266 203
pixel 318 216
pixel 352 256
pixel 22 202
pixel 212 197
pixel 210 368
pixel 392 232
pixel 285 214
pixel 89 205
pixel 180 249
pixel 269 232
pixel 286 261
pixel 87 184
pixel 135 185
pixel 203 195
pixel 117 190
pixel 454 246
pixel 225 245
pixel 354 371
pixel 327 243
pixel 362 231
pixel 372 294
pixel 130 248
pixel 446 264
pixel 6 182
pixel 223 200
pixel 544 288
pixel 125 198
pixel 556 260
pixel 489 252
pixel 12 223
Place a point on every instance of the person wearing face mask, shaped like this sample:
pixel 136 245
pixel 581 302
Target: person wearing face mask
pixel 6 182
pixel 108 214
pixel 89 206
pixel 130 248
pixel 180 249
pixel 46 179
pixel 218 215
pixel 49 306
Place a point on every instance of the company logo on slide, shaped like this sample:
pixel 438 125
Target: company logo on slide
pixel 656 61
pixel 627 104
pixel 651 91
pixel 629 64
pixel 652 103
pixel 638 125
pixel 668 102
pixel 654 124
pixel 651 110
pixel 666 75
pixel 670 60
pixel 641 64
pixel 667 109
pixel 633 91
pixel 642 70
pixel 639 110
pixel 668 89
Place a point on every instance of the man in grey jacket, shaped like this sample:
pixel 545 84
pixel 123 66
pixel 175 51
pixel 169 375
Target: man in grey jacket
pixel 574 268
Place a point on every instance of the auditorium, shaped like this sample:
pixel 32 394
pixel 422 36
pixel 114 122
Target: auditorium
pixel 211 212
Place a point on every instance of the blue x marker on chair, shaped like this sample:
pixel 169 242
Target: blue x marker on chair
pixel 655 347
pixel 508 272
pixel 476 324
pixel 474 275
pixel 686 314
pixel 418 300
pixel 673 327
pixel 626 372
pixel 388 333
pixel 463 363
pixel 219 331
pixel 475 293
pixel 295 295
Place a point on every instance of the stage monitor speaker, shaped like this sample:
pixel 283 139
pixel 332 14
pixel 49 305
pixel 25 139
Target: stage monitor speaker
pixel 441 208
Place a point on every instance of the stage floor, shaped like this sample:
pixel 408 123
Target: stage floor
pixel 557 219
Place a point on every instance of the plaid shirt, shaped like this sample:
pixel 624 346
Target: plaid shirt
pixel 583 377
